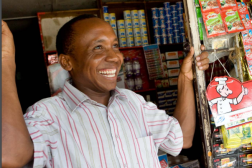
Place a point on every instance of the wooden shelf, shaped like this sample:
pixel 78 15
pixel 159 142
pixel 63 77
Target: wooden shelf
pixel 145 90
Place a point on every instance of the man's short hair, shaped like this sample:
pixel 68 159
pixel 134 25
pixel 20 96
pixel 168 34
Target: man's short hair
pixel 65 35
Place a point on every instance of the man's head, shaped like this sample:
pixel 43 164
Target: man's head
pixel 223 90
pixel 88 49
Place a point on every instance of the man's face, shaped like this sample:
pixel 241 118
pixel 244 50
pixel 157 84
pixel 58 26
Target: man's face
pixel 96 59
pixel 225 91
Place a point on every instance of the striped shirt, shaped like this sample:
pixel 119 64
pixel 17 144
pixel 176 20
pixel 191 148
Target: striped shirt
pixel 71 130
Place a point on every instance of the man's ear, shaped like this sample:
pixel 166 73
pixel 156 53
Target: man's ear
pixel 65 62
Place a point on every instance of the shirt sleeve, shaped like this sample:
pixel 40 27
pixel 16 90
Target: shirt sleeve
pixel 166 131
pixel 38 127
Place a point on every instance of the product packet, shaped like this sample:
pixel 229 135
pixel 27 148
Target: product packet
pixel 213 23
pixel 244 14
pixel 247 38
pixel 208 5
pixel 229 161
pixel 245 160
pixel 232 20
pixel 227 3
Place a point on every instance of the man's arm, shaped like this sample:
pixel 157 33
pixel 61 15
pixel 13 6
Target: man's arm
pixel 17 147
pixel 185 108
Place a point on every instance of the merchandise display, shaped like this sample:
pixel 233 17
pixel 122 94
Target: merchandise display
pixel 167 100
pixel 131 30
pixel 168 24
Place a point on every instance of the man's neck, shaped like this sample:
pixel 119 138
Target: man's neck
pixel 99 97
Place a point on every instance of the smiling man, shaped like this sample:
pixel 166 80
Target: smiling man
pixel 92 123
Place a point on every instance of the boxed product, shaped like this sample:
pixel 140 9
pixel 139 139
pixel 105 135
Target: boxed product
pixel 173 72
pixel 227 161
pixel 163 160
pixel 213 23
pixel 173 64
pixel 173 81
pixel 165 74
pixel 161 95
pixel 227 3
pixel 191 164
pixel 171 55
pixel 208 5
pixel 245 160
pixel 219 150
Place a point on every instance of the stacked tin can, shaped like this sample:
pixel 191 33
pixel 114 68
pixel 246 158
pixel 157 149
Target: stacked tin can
pixel 121 33
pixel 128 28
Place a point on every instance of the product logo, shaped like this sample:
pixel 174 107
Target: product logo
pixel 230 13
pixel 242 10
pixel 221 119
pixel 212 16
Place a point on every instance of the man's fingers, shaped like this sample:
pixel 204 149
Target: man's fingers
pixel 202 47
pixel 204 67
pixel 203 62
pixel 202 56
pixel 190 54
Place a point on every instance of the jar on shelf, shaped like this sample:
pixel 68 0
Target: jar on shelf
pixel 128 66
pixel 130 83
pixel 136 66
pixel 138 82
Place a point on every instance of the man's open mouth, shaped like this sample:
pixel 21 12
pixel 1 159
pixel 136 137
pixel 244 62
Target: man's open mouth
pixel 108 73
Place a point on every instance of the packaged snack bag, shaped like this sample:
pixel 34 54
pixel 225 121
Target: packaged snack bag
pixel 232 20
pixel 242 8
pixel 208 5
pixel 213 23
pixel 227 3
pixel 247 38
pixel 246 20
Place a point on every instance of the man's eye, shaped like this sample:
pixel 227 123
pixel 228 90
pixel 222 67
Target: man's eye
pixel 98 47
pixel 115 46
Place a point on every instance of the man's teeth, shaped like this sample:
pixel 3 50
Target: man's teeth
pixel 108 73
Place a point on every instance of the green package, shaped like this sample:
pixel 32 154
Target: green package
pixel 200 22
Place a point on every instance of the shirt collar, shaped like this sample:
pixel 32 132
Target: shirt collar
pixel 74 97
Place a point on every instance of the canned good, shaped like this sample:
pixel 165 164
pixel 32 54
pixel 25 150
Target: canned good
pixel 129 32
pixel 126 14
pixel 167 5
pixel 112 16
pixel 163 31
pixel 144 40
pixel 135 23
pixel 167 12
pixel 177 39
pixel 137 32
pixel 157 31
pixel 105 9
pixel 169 31
pixel 106 17
pixel 141 14
pixel 175 20
pixel 182 37
pixel 181 24
pixel 130 41
pixel 121 33
pixel 173 7
pixel 175 27
pixel 155 22
pixel 128 23
pixel 157 39
pixel 154 12
pixel 120 24
pixel 134 14
pixel 163 39
pixel 162 22
pixel 168 18
pixel 180 11
pixel 143 31
pixel 138 41
pixel 182 30
pixel 122 42
pixel 113 24
pixel 179 5
pixel 176 33
pixel 170 39
pixel 168 24
pixel 180 17
pixel 142 23
pixel 161 12
pixel 174 14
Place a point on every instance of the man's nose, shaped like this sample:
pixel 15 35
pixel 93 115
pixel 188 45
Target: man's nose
pixel 112 56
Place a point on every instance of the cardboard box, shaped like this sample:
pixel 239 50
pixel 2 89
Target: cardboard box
pixel 172 64
pixel 171 55
pixel 173 72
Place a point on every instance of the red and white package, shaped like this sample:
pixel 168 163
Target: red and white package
pixel 224 4
pixel 244 14
pixel 208 5
pixel 247 37
pixel 232 20
pixel 213 23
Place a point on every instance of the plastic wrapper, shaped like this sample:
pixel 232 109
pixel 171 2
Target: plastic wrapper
pixel 246 148
pixel 245 160
pixel 232 20
pixel 208 5
pixel 219 150
pixel 213 23
pixel 226 162
pixel 227 3
pixel 238 136
pixel 244 14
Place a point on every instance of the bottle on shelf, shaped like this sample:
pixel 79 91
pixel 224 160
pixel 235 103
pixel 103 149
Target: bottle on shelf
pixel 136 66
pixel 138 82
pixel 128 67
